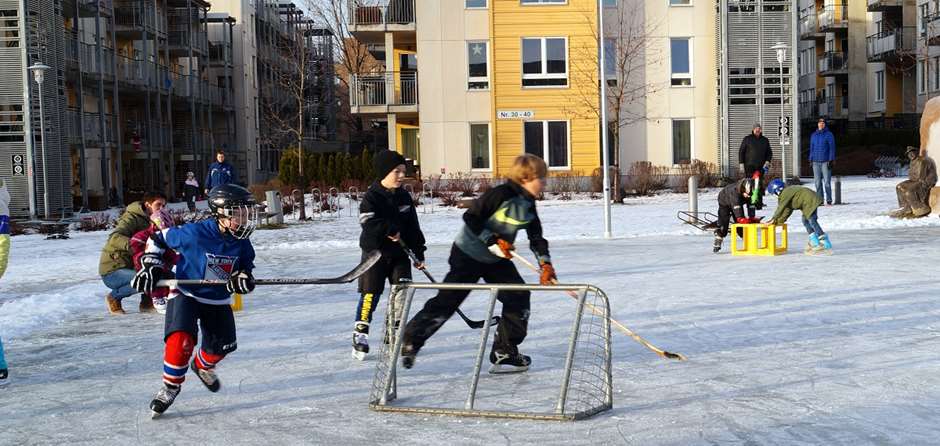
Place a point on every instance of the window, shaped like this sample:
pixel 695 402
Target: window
pixel 610 3
pixel 410 145
pixel 543 2
pixel 610 60
pixel 548 140
pixel 936 73
pixel 879 86
pixel 544 62
pixel 922 18
pixel 681 61
pixel 681 141
pixel 680 2
pixel 477 67
pixel 480 146
pixel 473 4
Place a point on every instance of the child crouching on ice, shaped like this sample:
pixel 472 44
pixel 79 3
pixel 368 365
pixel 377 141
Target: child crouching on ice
pixel 159 221
pixel 732 201
pixel 806 200
pixel 213 249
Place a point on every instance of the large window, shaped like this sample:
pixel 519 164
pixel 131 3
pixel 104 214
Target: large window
pixel 470 4
pixel 544 62
pixel 880 86
pixel 681 141
pixel 681 57
pixel 610 60
pixel 548 140
pixel 477 66
pixel 480 146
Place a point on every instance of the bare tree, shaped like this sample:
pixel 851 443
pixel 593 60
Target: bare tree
pixel 630 50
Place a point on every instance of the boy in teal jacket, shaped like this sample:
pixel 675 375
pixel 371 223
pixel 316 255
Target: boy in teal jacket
pixel 806 200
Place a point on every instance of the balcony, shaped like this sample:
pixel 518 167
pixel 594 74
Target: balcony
pixel 89 7
pixel 931 29
pixel 893 47
pixel 808 110
pixel 220 54
pixel 384 92
pixel 88 54
pixel 832 63
pixel 834 107
pixel 884 5
pixel 91 126
pixel 377 16
pixel 809 24
pixel 133 71
pixel 834 18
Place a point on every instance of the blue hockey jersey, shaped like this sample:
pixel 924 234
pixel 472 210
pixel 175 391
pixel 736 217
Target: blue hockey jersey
pixel 205 254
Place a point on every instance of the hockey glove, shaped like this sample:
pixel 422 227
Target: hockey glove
pixel 548 274
pixel 241 282
pixel 743 220
pixel 500 248
pixel 151 271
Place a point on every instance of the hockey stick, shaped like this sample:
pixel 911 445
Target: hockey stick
pixel 354 274
pixel 616 323
pixel 470 322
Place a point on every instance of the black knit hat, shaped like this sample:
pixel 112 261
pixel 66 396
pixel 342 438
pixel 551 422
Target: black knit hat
pixel 386 161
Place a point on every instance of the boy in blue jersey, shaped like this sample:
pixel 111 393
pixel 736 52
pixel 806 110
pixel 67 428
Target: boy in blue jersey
pixel 214 249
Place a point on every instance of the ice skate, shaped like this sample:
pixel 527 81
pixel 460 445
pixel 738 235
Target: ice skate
pixel 163 399
pixel 360 341
pixel 408 354
pixel 4 377
pixel 717 245
pixel 507 363
pixel 159 304
pixel 207 376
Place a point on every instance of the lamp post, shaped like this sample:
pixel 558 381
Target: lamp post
pixel 784 133
pixel 39 71
pixel 605 158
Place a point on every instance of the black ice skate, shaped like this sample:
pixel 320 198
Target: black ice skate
pixel 717 246
pixel 163 399
pixel 408 354
pixel 507 363
pixel 360 341
pixel 207 376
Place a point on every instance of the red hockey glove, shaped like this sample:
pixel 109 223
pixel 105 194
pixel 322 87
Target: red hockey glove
pixel 743 220
pixel 548 274
pixel 501 248
pixel 754 220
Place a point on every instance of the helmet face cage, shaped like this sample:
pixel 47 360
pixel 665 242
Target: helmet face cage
pixel 241 219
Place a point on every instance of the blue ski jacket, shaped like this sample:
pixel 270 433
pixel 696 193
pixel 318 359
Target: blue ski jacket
pixel 822 146
pixel 219 174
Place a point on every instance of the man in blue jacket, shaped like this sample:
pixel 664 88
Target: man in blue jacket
pixel 822 150
pixel 220 172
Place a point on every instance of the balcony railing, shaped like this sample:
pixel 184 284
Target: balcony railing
pixel 808 110
pixel 389 12
pixel 833 17
pixel 809 23
pixel 834 107
pixel 375 89
pixel 92 128
pixel 89 58
pixel 888 45
pixel 832 62
pixel 220 52
pixel 137 16
pixel 881 5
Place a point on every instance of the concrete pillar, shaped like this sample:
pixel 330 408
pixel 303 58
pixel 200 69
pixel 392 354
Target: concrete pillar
pixel 393 132
pixel 389 69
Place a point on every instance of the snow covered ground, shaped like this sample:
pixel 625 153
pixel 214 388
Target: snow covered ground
pixel 785 350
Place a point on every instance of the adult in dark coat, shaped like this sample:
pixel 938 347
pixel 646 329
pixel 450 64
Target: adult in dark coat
pixel 754 156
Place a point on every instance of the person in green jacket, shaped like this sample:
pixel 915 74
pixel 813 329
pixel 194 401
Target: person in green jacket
pixel 806 200
pixel 116 266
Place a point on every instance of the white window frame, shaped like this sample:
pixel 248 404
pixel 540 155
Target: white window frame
pixel 921 77
pixel 691 64
pixel 672 148
pixel 685 5
pixel 544 74
pixel 486 5
pixel 545 147
pixel 486 48
pixel 489 142
pixel 879 86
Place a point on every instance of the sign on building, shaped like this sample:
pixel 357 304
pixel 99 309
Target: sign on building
pixel 515 114
pixel 19 166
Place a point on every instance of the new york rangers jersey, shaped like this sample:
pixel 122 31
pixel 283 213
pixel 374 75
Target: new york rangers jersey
pixel 205 254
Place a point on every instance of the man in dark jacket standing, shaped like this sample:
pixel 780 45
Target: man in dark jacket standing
pixel 822 150
pixel 220 172
pixel 755 155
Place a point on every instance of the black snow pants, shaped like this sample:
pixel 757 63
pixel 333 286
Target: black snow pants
pixel 513 325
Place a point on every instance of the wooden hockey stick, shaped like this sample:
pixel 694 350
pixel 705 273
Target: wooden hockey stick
pixel 616 323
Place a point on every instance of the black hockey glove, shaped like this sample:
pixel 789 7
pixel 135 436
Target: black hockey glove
pixel 151 271
pixel 241 282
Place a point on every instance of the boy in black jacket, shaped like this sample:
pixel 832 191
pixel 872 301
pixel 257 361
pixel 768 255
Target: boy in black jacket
pixel 731 201
pixel 483 249
pixel 388 217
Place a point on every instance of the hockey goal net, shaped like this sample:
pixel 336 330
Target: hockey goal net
pixel 573 383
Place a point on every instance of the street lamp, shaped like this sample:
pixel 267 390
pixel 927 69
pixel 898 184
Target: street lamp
pixel 39 71
pixel 602 82
pixel 784 133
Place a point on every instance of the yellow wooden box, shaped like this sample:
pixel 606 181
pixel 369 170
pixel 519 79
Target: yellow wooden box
pixel 760 239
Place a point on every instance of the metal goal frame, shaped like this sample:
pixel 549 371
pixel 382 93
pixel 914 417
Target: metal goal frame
pixel 586 388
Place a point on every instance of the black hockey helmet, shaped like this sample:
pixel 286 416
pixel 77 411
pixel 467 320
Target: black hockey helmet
pixel 236 203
